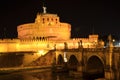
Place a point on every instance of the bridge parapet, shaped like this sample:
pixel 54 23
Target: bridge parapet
pixel 69 50
pixel 94 49
pixel 84 49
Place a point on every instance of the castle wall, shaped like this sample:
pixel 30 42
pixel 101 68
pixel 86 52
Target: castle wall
pixel 16 45
pixel 9 45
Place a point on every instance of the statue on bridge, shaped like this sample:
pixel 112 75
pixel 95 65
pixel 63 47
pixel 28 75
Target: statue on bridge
pixel 110 41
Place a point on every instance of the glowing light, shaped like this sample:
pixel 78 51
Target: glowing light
pixel 41 52
pixel 65 57
pixel 113 40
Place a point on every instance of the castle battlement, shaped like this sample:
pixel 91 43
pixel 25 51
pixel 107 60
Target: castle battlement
pixel 34 40
pixel 9 40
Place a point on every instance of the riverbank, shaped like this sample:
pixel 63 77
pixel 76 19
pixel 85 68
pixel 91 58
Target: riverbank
pixel 19 69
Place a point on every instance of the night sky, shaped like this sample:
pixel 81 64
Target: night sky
pixel 86 16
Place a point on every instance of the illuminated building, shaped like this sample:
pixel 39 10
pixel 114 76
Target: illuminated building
pixel 46 33
pixel 46 26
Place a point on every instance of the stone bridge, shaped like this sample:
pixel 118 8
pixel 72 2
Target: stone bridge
pixel 105 61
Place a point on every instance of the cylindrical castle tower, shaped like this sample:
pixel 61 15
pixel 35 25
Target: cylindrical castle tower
pixel 45 26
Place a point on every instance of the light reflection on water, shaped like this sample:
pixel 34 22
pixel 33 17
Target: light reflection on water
pixel 36 75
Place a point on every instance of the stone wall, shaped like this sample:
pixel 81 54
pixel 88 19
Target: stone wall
pixel 47 59
pixel 10 60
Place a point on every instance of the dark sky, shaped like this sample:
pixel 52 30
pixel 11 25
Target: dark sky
pixel 86 16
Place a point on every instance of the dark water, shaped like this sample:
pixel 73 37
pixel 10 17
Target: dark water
pixel 38 75
pixel 45 75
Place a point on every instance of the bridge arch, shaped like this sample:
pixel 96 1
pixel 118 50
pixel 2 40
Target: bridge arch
pixel 73 62
pixel 95 66
pixel 60 60
pixel 98 56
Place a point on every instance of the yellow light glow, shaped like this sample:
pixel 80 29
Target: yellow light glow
pixel 41 52
pixel 65 57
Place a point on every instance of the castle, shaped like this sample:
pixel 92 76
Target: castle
pixel 37 39
pixel 47 32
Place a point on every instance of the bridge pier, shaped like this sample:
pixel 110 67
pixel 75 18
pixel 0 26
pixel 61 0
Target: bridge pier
pixel 112 74
pixel 78 73
pixel 80 69
pixel 109 75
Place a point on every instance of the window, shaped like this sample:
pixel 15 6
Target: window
pixel 47 19
pixel 43 20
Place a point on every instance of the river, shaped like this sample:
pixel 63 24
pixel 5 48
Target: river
pixel 38 75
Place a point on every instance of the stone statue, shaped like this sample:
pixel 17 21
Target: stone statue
pixel 110 41
pixel 44 9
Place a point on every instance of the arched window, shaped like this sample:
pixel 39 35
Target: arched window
pixel 52 19
pixel 56 21
pixel 47 19
pixel 43 20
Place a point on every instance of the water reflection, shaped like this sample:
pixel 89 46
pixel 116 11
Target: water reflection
pixel 36 75
pixel 45 75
